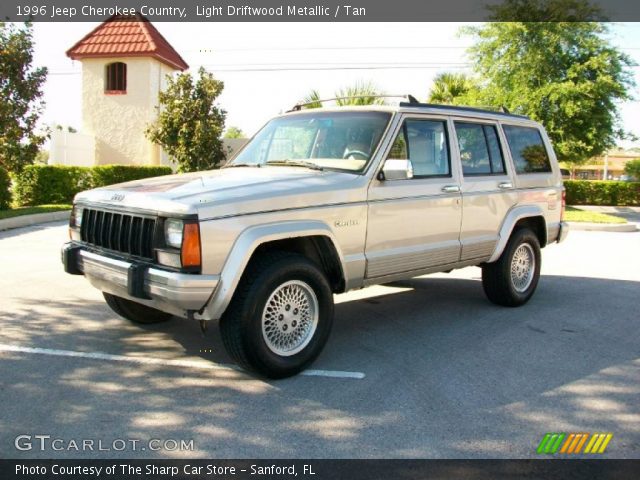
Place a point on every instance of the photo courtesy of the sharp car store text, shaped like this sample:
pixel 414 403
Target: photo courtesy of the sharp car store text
pixel 319 239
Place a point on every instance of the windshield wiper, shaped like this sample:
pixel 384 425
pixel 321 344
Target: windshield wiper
pixel 236 165
pixel 295 163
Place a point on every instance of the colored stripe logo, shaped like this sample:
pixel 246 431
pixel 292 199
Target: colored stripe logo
pixel 573 443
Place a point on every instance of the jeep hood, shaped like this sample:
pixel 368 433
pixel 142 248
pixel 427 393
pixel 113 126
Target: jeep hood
pixel 232 191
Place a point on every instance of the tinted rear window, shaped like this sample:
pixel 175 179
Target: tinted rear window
pixel 527 149
pixel 479 149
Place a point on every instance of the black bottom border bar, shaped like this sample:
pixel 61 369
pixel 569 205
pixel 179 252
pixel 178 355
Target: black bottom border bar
pixel 122 469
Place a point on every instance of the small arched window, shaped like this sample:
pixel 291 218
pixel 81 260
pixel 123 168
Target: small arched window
pixel 116 78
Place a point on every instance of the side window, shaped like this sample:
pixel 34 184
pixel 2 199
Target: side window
pixel 424 142
pixel 527 149
pixel 480 152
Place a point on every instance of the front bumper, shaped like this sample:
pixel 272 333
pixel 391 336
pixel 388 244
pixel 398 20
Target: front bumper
pixel 564 231
pixel 171 292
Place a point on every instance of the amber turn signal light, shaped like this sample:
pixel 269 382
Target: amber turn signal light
pixel 190 254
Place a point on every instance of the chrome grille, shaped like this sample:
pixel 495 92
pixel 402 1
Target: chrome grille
pixel 130 234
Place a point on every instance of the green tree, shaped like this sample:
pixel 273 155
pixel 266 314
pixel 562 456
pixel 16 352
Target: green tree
pixel 234 132
pixel 450 88
pixel 632 168
pixel 566 75
pixel 20 98
pixel 190 124
pixel 62 128
pixel 5 189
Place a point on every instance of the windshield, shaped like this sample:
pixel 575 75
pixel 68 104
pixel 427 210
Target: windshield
pixel 334 140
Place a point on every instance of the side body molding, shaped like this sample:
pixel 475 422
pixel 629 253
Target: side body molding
pixel 248 241
pixel 516 213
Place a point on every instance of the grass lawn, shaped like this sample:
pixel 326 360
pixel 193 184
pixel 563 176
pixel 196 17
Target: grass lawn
pixel 17 212
pixel 573 214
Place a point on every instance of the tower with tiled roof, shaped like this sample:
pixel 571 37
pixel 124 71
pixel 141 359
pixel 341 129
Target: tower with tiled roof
pixel 125 61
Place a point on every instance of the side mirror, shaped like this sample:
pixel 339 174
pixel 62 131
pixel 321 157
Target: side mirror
pixel 396 169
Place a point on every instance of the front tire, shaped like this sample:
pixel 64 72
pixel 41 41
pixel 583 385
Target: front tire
pixel 135 312
pixel 280 316
pixel 513 278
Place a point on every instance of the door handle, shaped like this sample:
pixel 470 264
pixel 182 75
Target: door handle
pixel 451 189
pixel 505 185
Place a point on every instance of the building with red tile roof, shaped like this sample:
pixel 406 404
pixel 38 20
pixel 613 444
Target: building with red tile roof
pixel 125 65
pixel 127 36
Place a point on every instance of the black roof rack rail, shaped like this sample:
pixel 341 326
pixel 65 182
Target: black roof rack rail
pixel 298 106
pixel 502 111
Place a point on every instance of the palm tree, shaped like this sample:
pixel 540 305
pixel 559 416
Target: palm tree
pixel 449 87
pixel 312 99
pixel 360 93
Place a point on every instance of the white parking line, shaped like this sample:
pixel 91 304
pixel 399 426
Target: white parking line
pixel 332 374
pixel 162 361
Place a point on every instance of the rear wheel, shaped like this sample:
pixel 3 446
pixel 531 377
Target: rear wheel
pixel 280 316
pixel 513 278
pixel 135 312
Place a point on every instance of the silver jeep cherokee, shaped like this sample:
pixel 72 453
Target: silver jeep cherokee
pixel 320 202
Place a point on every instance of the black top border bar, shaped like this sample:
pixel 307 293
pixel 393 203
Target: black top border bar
pixel 321 10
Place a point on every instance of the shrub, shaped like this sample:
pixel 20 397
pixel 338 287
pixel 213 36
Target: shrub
pixel 42 184
pixel 5 189
pixel 593 192
pixel 51 184
pixel 103 175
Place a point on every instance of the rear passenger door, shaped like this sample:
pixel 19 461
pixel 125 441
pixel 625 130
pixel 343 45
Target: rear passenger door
pixel 487 186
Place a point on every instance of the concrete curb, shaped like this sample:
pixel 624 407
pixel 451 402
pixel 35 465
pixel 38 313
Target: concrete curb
pixel 27 220
pixel 603 227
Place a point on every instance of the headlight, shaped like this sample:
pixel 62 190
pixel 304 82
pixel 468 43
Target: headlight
pixel 173 233
pixel 76 217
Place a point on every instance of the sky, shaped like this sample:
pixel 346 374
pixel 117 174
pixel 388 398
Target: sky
pixel 268 67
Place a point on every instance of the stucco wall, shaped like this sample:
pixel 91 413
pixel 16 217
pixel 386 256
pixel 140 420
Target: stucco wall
pixel 118 121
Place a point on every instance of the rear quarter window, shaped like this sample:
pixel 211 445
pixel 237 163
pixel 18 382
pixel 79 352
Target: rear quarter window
pixel 527 149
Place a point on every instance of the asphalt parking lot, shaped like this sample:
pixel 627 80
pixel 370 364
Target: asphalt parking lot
pixel 425 368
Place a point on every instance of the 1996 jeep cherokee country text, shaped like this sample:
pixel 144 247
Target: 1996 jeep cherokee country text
pixel 323 201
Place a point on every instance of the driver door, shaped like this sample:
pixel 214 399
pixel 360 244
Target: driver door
pixel 414 224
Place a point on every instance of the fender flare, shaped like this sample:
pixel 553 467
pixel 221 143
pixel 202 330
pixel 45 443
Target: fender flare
pixel 513 216
pixel 245 246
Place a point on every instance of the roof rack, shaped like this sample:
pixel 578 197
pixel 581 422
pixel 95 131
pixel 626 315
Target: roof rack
pixel 495 110
pixel 411 100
